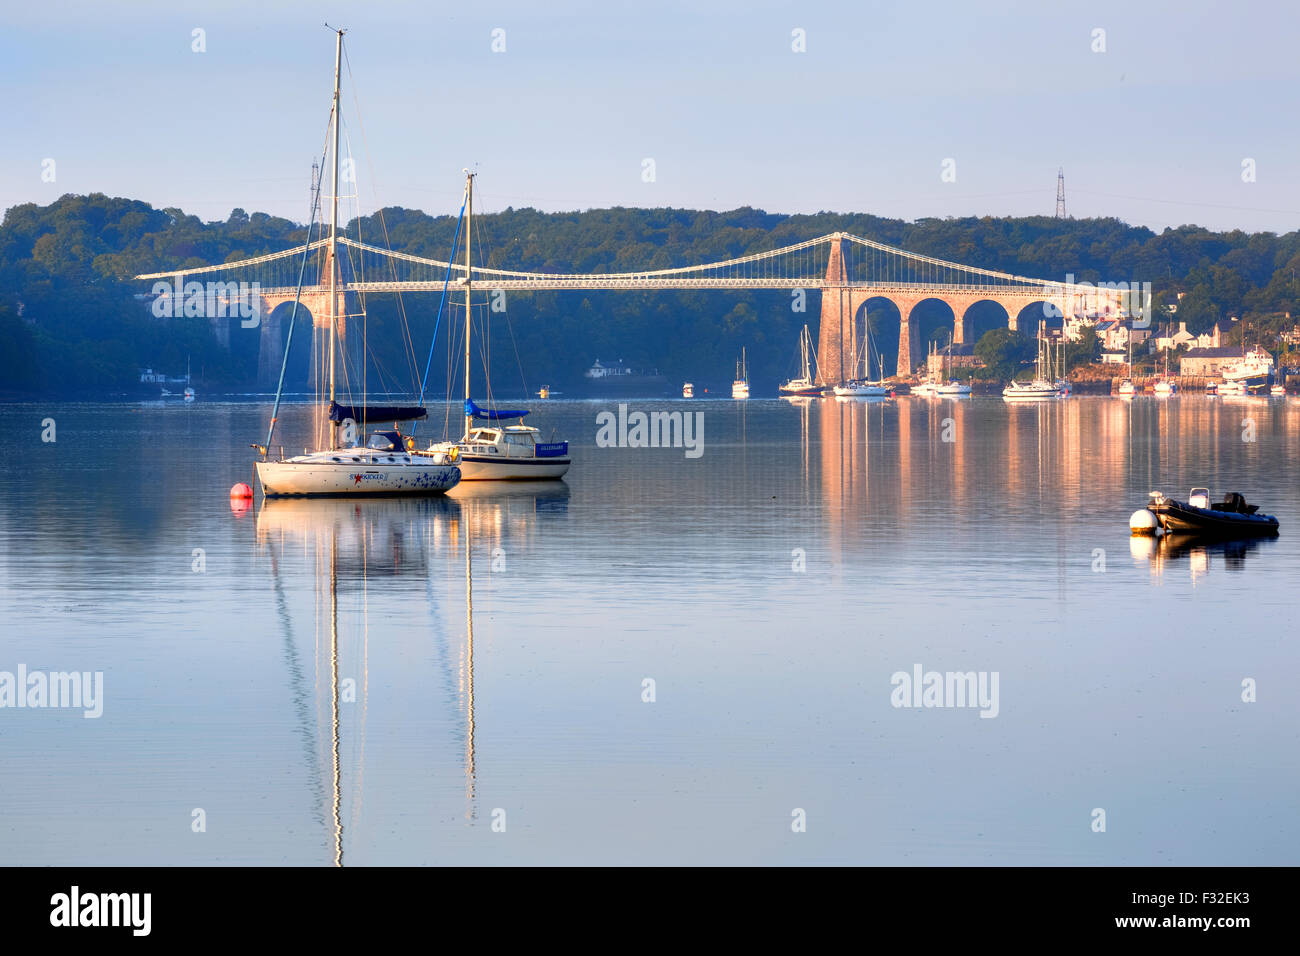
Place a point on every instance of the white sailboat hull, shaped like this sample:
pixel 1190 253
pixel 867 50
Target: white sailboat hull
pixel 480 468
pixel 859 390
pixel 1033 392
pixel 310 475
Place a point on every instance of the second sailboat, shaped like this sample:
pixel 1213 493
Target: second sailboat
pixel 496 451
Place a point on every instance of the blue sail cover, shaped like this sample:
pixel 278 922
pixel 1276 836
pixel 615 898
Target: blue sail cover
pixel 492 414
pixel 363 414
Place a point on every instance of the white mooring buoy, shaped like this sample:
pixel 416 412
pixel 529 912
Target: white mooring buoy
pixel 1143 522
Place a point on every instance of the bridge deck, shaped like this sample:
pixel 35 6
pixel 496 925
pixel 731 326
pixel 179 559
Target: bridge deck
pixel 579 283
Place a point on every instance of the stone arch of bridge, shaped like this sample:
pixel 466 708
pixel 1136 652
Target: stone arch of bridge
pixel 963 326
pixel 1028 313
pixel 908 340
pixel 879 341
pixel 273 331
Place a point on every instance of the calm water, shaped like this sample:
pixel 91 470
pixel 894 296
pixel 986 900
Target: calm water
pixel 315 690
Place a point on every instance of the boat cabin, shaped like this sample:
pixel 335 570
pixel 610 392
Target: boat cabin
pixel 515 441
pixel 509 441
pixel 384 447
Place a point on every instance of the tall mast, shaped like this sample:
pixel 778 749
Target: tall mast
pixel 469 221
pixel 866 347
pixel 334 228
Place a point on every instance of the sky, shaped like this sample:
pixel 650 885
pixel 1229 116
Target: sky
pixel 1176 113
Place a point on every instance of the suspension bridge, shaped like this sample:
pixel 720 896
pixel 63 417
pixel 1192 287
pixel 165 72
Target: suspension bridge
pixel 848 271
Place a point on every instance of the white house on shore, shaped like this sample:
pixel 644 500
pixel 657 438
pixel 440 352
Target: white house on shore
pixel 1115 334
pixel 1181 338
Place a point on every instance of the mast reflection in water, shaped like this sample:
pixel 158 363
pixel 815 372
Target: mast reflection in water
pixel 374 562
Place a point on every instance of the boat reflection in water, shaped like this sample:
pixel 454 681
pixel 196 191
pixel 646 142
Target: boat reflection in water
pixel 379 568
pixel 1200 552
pixel 481 501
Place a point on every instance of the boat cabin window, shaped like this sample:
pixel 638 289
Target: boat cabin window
pixel 384 441
pixel 516 438
pixel 483 434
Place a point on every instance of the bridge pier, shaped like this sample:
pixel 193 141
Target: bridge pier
pixel 270 347
pixel 221 330
pixel 835 345
pixel 958 324
pixel 905 360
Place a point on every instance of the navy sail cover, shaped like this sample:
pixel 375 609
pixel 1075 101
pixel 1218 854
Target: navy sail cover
pixel 492 414
pixel 363 414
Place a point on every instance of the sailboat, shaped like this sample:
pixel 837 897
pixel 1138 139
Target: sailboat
pixel 386 464
pixel 928 388
pixel 862 387
pixel 496 452
pixel 951 388
pixel 804 384
pixel 1126 387
pixel 1165 385
pixel 857 389
pixel 1041 387
pixel 740 387
pixel 188 395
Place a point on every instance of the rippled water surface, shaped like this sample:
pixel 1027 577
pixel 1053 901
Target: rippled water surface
pixel 462 680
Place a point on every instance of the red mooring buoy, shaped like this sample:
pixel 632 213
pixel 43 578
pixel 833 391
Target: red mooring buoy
pixel 241 490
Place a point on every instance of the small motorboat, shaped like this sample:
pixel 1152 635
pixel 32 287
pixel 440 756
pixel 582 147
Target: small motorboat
pixel 688 390
pixel 1230 517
